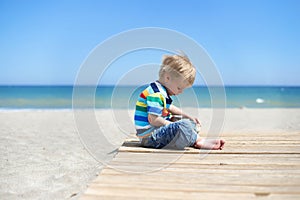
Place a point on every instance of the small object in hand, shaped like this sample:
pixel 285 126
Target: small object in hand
pixel 197 128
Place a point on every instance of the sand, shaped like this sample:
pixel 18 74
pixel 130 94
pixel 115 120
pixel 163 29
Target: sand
pixel 42 155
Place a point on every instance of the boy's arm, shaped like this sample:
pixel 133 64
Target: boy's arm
pixel 157 121
pixel 177 111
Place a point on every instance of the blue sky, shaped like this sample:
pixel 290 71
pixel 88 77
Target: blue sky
pixel 252 42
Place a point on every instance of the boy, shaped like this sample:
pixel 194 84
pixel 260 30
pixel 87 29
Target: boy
pixel 154 110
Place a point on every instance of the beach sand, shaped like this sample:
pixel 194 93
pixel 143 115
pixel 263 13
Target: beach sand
pixel 43 156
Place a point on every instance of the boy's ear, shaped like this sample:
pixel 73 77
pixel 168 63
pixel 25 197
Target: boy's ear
pixel 167 77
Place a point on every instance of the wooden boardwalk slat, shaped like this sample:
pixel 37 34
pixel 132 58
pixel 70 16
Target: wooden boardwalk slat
pixel 216 188
pixel 246 149
pixel 258 167
pixel 235 180
pixel 210 159
pixel 203 195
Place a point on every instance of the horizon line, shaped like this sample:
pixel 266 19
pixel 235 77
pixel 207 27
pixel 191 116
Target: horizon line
pixel 138 85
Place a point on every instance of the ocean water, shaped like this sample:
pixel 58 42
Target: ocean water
pixel 124 97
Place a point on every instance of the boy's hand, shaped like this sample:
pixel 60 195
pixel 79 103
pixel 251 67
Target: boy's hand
pixel 196 120
pixel 177 111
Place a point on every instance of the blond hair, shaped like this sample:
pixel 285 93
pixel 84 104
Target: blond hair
pixel 178 65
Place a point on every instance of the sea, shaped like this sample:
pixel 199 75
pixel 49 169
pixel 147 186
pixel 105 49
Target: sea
pixel 124 97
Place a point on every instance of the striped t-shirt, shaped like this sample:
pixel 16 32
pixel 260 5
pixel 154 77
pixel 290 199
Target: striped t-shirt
pixel 153 100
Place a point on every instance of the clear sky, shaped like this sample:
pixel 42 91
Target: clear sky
pixel 252 42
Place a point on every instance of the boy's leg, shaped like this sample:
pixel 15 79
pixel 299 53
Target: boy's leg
pixel 176 135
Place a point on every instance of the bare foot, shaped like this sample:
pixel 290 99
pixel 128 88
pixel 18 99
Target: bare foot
pixel 213 144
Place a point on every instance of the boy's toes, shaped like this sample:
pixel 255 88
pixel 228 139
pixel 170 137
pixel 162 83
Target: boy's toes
pixel 222 142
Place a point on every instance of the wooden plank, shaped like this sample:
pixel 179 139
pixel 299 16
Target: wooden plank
pixel 142 162
pixel 246 149
pixel 140 168
pixel 129 168
pixel 240 169
pixel 210 164
pixel 241 179
pixel 103 195
pixel 207 169
pixel 176 188
pixel 209 158
pixel 160 155
pixel 203 168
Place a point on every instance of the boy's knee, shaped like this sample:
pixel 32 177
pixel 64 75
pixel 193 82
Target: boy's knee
pixel 186 124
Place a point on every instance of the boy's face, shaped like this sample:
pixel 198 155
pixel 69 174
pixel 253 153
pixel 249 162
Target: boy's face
pixel 175 85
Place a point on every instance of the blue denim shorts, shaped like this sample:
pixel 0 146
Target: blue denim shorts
pixel 177 135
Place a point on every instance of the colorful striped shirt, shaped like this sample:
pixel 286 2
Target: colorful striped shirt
pixel 153 100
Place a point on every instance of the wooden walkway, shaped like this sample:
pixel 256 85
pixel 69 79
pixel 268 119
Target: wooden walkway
pixel 262 166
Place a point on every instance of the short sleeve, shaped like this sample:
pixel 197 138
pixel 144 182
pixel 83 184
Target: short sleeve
pixel 155 104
